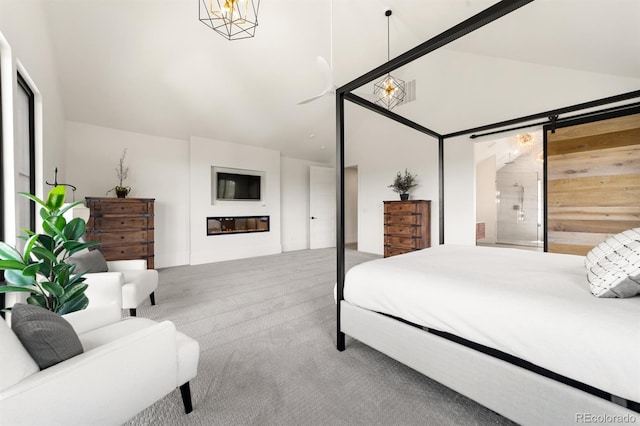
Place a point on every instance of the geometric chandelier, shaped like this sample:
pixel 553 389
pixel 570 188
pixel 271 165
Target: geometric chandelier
pixel 390 91
pixel 233 19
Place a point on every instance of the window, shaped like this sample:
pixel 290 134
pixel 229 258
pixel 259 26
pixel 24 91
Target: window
pixel 25 156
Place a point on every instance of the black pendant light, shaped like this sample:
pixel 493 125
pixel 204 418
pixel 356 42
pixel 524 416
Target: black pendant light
pixel 390 90
pixel 233 19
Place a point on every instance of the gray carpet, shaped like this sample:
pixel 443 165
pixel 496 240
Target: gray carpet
pixel 266 328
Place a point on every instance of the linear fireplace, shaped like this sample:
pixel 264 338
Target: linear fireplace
pixel 223 225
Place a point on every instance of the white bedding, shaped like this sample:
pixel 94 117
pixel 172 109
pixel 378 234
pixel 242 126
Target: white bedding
pixel 535 306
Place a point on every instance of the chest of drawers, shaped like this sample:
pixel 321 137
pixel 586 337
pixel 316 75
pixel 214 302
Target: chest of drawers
pixel 123 226
pixel 407 226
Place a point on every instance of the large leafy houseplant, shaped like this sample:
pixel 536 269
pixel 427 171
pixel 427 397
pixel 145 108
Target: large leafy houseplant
pixel 42 269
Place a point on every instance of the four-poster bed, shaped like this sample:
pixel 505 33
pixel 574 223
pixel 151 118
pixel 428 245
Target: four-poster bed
pixel 522 391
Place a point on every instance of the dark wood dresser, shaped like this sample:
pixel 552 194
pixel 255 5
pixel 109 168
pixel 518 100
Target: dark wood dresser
pixel 407 226
pixel 123 226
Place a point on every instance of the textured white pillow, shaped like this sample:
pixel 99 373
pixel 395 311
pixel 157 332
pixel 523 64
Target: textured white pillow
pixel 613 266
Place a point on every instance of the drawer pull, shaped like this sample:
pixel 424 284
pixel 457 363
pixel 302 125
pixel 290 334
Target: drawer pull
pixel 121 251
pixel 122 237
pixel 122 223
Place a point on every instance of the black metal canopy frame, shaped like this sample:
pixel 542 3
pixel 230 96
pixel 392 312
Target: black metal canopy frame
pixel 343 93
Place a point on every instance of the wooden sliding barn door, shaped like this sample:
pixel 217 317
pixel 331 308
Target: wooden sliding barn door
pixel 593 183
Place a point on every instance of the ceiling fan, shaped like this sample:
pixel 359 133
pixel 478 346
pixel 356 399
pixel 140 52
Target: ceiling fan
pixel 330 89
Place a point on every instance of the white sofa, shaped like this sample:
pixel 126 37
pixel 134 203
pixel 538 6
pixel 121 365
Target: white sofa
pixel 136 280
pixel 127 365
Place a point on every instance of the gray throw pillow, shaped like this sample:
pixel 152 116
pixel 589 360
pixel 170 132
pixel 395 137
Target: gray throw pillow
pixel 90 261
pixel 47 336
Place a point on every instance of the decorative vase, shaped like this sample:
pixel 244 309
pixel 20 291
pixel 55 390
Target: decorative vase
pixel 404 197
pixel 122 191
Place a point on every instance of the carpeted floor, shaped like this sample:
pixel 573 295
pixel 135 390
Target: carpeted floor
pixel 266 328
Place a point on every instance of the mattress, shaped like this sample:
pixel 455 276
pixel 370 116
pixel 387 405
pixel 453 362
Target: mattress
pixel 531 305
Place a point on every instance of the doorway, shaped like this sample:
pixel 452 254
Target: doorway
pixel 322 207
pixel 509 192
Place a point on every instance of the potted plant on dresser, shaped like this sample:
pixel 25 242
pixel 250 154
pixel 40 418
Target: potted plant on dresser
pixel 122 172
pixel 402 184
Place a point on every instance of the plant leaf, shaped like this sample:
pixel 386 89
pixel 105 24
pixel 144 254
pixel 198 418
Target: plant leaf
pixel 46 242
pixel 26 253
pixel 62 271
pixel 76 304
pixel 56 197
pixel 9 253
pixel 74 248
pixel 34 198
pixel 54 225
pixel 32 269
pixel 17 278
pixel 43 253
pixel 38 300
pixel 75 229
pixel 53 288
pixel 77 278
pixel 11 264
pixel 12 288
pixel 72 292
pixel 68 207
pixel 44 213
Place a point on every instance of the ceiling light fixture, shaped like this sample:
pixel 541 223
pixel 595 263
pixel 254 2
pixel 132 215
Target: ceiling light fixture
pixel 525 143
pixel 233 19
pixel 390 90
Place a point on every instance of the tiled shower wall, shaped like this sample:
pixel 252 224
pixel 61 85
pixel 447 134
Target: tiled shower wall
pixel 518 203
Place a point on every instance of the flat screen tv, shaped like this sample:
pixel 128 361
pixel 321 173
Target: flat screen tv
pixel 236 186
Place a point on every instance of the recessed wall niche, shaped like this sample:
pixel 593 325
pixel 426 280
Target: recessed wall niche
pixel 237 224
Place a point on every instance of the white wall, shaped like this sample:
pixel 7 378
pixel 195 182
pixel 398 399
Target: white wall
pixel 158 168
pixel 294 201
pixel 380 148
pixel 459 192
pixel 161 168
pixel 26 41
pixel 205 153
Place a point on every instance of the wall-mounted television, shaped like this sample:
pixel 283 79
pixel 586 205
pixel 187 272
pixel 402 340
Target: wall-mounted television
pixel 230 184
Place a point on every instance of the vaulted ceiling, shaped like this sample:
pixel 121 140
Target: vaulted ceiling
pixel 150 66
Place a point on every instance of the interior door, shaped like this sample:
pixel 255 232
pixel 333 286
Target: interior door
pixel 593 182
pixel 322 207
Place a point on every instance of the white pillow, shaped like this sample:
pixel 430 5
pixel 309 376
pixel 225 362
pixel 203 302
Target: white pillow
pixel 613 266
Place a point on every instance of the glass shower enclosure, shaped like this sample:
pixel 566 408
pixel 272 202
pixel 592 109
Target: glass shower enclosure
pixel 519 207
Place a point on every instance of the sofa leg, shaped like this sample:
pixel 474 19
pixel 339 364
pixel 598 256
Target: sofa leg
pixel 185 391
pixel 152 297
pixel 132 312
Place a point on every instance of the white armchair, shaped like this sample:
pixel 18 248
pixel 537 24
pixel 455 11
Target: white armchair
pixel 127 365
pixel 136 280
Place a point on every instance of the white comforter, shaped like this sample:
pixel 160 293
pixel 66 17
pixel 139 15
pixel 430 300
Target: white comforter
pixel 535 306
